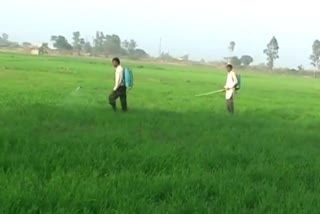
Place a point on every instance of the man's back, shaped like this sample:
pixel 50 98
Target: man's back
pixel 119 81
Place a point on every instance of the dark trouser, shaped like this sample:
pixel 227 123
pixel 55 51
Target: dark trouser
pixel 230 105
pixel 122 93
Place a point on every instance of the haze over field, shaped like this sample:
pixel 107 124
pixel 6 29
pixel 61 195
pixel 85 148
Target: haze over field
pixel 201 28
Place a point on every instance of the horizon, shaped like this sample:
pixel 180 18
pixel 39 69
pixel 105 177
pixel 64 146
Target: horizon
pixel 201 29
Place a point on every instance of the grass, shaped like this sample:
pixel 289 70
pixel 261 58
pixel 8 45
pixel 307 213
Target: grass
pixel 63 150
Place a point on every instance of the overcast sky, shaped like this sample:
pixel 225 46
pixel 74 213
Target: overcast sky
pixel 201 28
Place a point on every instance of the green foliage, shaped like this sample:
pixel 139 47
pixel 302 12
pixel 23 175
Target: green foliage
pixel 272 52
pixel 235 61
pixel 138 54
pixel 78 42
pixel 26 44
pixel 232 46
pixel 315 57
pixel 300 68
pixel 44 49
pixel 108 45
pixel 5 37
pixel 132 45
pixel 246 60
pixel 166 57
pixel 125 44
pixel 111 45
pixel 87 47
pixel 61 43
pixel 62 150
pixel 4 42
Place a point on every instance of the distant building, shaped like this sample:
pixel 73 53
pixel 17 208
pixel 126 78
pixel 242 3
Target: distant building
pixel 35 51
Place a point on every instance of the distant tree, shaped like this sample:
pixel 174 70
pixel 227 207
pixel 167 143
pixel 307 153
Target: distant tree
pixel 44 49
pixel 82 43
pixel 232 46
pixel 54 38
pixel 87 47
pixel 166 57
pixel 77 42
pixel 300 68
pixel 61 43
pixel 132 45
pixel 5 37
pixel 272 52
pixel 138 54
pixel 98 43
pixel 26 44
pixel 112 45
pixel 185 57
pixel 108 45
pixel 125 44
pixel 315 57
pixel 235 61
pixel 4 40
pixel 246 60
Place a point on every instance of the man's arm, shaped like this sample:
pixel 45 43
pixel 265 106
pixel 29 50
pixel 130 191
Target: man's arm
pixel 117 80
pixel 235 79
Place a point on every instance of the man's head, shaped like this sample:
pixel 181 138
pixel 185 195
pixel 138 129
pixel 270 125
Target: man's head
pixel 229 67
pixel 116 62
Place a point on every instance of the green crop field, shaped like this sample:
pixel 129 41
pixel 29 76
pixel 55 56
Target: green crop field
pixel 62 149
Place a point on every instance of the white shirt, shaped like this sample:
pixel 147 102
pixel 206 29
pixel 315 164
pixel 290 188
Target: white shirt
pixel 231 82
pixel 118 77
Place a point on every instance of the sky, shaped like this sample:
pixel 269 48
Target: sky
pixel 202 28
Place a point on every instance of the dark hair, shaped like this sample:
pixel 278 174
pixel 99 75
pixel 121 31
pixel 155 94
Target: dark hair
pixel 117 60
pixel 230 66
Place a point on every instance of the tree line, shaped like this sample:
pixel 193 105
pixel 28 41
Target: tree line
pixel 102 45
pixel 272 54
pixel 111 45
pixel 6 43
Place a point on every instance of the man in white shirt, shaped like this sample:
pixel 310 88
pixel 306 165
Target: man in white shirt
pixel 230 88
pixel 119 89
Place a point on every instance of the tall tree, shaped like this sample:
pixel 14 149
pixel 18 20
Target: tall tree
pixel 77 42
pixel 112 45
pixel 232 46
pixel 272 52
pixel 87 47
pixel 315 57
pixel 98 43
pixel 132 45
pixel 125 44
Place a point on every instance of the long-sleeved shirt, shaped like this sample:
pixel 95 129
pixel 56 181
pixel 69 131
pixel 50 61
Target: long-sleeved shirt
pixel 231 83
pixel 118 77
